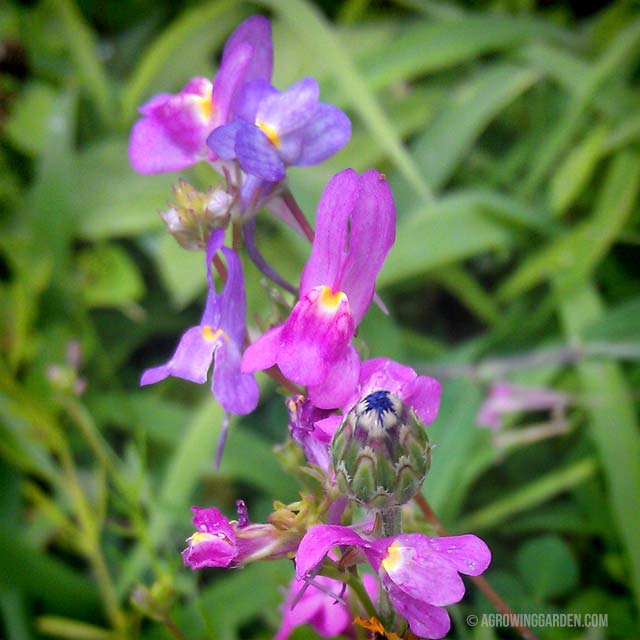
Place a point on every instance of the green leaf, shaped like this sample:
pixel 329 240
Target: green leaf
pixel 27 568
pixel 472 106
pixel 548 567
pixel 574 173
pixel 112 200
pixel 454 228
pixel 310 25
pixel 532 494
pixel 84 51
pixel 183 272
pixel 613 425
pixel 109 277
pixel 194 454
pixel 577 252
pixel 26 126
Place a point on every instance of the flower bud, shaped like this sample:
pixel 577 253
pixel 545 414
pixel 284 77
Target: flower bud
pixel 193 215
pixel 380 452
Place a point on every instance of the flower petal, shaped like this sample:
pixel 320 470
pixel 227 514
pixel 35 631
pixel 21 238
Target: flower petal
pixel 255 31
pixel 222 140
pixel 237 392
pixel 425 620
pixel 257 155
pixel 287 111
pixel 191 361
pixel 467 553
pixel 372 234
pixel 325 134
pixel 263 353
pixel 315 337
pixel 318 541
pixel 332 229
pixel 340 382
pixel 228 80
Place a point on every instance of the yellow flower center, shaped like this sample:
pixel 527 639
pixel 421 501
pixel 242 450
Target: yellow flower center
pixel 210 335
pixel 205 104
pixel 270 132
pixel 393 558
pixel 330 301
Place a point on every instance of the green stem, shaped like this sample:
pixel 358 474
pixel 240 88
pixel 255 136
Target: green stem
pixel 356 585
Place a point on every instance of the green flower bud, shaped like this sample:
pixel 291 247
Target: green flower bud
pixel 380 452
pixel 193 215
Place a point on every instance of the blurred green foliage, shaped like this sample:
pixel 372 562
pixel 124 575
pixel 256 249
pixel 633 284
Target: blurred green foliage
pixel 509 132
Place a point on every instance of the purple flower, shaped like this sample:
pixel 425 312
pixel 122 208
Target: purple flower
pixel 420 573
pixel 274 130
pixel 305 428
pixel 323 605
pixel 219 542
pixel 355 231
pixel 504 399
pixel 173 132
pixel 219 337
pixel 421 393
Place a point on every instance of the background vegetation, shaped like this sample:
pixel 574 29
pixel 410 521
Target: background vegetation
pixel 509 131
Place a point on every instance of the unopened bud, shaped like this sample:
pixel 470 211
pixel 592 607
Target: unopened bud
pixel 193 215
pixel 380 452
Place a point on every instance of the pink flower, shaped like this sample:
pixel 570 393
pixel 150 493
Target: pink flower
pixel 322 605
pixel 173 133
pixel 355 231
pixel 420 573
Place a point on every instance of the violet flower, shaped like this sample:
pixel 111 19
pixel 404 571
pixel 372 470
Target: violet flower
pixel 355 231
pixel 173 132
pixel 274 130
pixel 219 337
pixel 220 542
pixel 420 573
pixel 323 606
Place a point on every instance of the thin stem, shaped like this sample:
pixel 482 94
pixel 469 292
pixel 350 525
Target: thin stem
pixel 172 628
pixel 299 216
pixel 275 373
pixel 479 581
pixel 357 586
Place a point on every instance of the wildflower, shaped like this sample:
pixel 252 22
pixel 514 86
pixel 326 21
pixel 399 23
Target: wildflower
pixel 219 542
pixel 505 398
pixel 419 573
pixel 274 129
pixel 305 427
pixel 219 337
pixel 324 606
pixel 355 231
pixel 173 131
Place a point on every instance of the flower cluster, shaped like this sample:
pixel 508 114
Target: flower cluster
pixel 359 425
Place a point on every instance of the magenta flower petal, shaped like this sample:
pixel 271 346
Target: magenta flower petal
pixel 213 544
pixel 172 134
pixel 326 133
pixel 422 393
pixel 425 620
pixel 263 353
pixel 316 608
pixel 340 381
pixel 372 234
pixel 338 200
pixel 315 337
pixel 467 553
pixel 318 541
